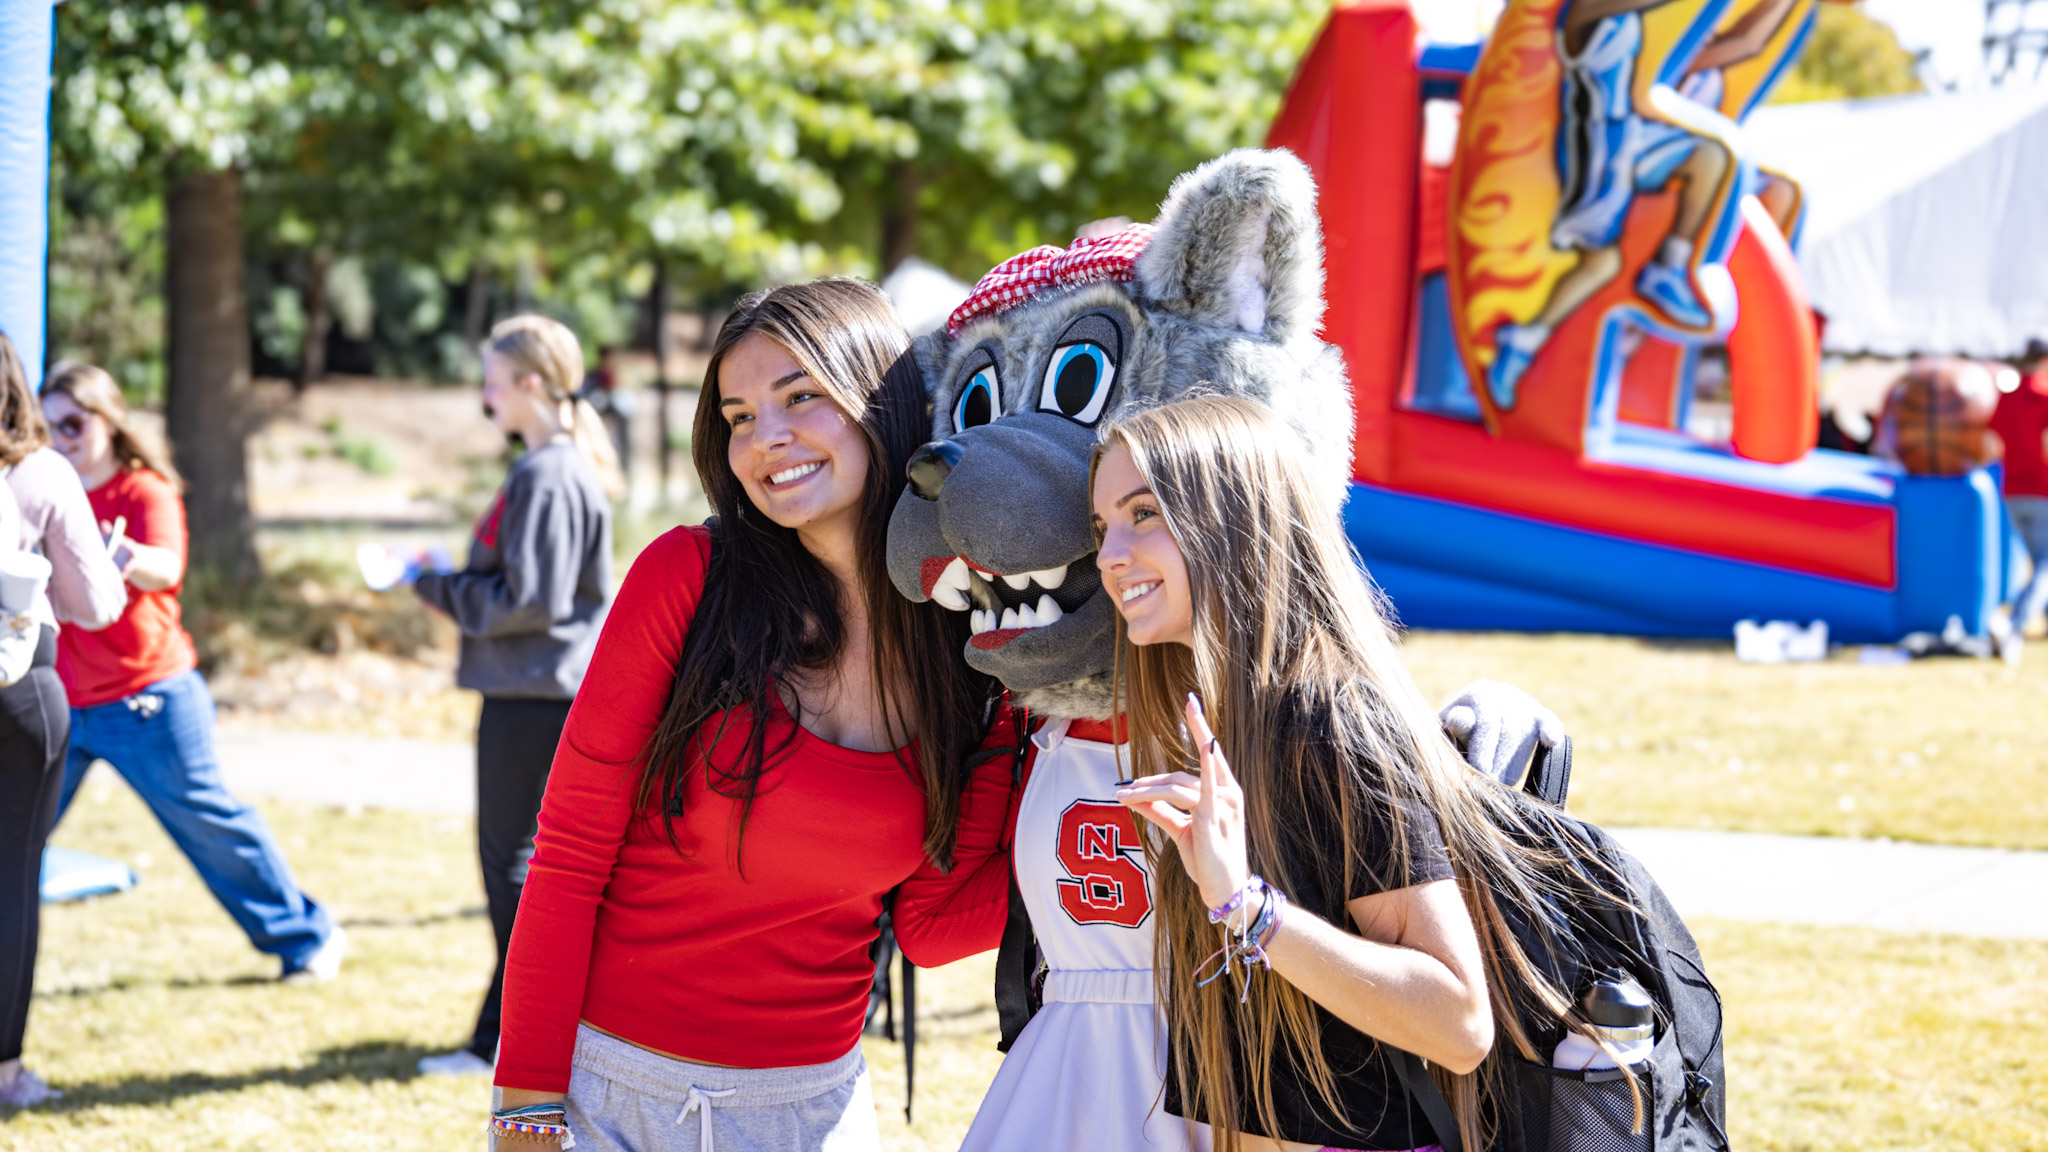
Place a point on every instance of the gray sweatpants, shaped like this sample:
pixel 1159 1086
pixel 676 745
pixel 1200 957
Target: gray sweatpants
pixel 627 1099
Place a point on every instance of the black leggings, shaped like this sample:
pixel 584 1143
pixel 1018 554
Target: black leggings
pixel 515 745
pixel 35 724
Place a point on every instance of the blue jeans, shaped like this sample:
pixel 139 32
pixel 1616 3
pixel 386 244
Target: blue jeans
pixel 161 741
pixel 2030 521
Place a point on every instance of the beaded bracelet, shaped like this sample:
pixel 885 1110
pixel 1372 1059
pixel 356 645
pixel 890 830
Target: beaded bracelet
pixel 1247 943
pixel 1228 908
pixel 535 1122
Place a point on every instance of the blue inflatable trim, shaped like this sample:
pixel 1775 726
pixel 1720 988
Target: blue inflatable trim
pixel 1450 565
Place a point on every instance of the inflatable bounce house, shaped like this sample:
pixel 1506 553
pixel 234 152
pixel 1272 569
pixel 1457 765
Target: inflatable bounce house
pixel 1530 242
pixel 26 43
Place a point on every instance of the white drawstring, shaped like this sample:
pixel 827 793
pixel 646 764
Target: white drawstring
pixel 699 1101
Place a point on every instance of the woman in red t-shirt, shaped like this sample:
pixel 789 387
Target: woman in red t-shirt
pixel 137 699
pixel 769 742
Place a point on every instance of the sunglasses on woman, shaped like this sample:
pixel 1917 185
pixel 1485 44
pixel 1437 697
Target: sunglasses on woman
pixel 71 427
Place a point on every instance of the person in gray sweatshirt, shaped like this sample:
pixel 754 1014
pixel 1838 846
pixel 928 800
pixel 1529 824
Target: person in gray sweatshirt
pixel 530 604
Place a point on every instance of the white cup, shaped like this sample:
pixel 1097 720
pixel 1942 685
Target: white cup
pixel 22 577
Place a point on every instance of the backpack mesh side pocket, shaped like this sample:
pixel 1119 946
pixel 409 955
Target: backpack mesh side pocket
pixel 1590 1111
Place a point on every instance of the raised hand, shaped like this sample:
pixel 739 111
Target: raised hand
pixel 1204 815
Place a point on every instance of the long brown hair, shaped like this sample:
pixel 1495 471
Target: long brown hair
pixel 770 608
pixel 1300 673
pixel 535 345
pixel 22 429
pixel 92 389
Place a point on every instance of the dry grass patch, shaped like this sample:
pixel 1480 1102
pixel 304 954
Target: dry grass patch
pixel 1680 735
pixel 166 1031
pixel 1846 1038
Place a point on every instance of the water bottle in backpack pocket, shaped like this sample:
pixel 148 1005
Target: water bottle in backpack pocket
pixel 1593 1092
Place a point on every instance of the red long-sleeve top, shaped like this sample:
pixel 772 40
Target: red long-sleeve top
pixel 688 954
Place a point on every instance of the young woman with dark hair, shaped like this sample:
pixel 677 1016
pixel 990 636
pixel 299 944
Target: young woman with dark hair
pixel 1277 735
pixel 137 698
pixel 770 742
pixel 85 592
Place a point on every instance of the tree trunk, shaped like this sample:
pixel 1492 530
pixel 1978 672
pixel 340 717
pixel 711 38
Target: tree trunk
pixel 313 353
pixel 658 304
pixel 899 216
pixel 476 306
pixel 206 339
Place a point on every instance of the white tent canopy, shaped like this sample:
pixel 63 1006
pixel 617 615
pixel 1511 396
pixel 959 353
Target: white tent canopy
pixel 924 295
pixel 1926 226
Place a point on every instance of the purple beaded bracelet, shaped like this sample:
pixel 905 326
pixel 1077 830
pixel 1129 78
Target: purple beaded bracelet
pixel 1228 908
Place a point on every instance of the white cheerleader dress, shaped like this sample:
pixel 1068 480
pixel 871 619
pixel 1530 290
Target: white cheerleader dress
pixel 1088 1071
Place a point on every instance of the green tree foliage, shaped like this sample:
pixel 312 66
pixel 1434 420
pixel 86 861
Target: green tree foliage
pixel 1850 57
pixel 755 140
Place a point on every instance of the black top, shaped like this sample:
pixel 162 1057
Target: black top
pixel 1378 1113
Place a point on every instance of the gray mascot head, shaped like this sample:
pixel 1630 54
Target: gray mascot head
pixel 1223 294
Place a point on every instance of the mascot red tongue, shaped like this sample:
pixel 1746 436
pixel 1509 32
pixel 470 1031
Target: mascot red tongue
pixel 1222 294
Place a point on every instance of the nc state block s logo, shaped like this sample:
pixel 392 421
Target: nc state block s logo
pixel 1100 849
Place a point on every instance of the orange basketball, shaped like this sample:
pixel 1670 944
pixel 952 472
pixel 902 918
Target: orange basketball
pixel 1937 416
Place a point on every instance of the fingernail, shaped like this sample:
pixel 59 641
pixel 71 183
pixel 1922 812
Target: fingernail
pixel 1212 744
pixel 1194 702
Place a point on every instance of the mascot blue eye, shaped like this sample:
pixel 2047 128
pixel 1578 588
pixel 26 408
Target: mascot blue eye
pixel 977 404
pixel 1077 382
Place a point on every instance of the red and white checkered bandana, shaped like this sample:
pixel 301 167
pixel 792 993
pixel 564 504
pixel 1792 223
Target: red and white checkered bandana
pixel 1046 267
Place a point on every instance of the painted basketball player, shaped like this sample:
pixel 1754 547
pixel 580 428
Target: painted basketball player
pixel 1609 149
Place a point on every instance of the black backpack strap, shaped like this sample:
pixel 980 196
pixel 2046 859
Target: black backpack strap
pixel 1550 775
pixel 1017 987
pixel 1427 1096
pixel 1017 996
pixel 909 971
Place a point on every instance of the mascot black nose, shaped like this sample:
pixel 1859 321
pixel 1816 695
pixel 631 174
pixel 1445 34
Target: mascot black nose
pixel 930 465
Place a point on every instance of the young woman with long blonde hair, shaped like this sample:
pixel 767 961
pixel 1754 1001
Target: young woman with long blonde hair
pixel 529 603
pixel 1277 735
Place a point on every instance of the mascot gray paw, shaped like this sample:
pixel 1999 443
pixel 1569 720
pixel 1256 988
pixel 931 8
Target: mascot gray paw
pixel 1498 727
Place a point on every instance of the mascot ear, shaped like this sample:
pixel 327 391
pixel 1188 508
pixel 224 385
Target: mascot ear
pixel 1239 245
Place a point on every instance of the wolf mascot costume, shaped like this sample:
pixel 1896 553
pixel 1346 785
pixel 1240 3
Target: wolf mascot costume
pixel 1222 294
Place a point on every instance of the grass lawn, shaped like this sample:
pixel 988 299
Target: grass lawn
pixel 1678 734
pixel 166 1031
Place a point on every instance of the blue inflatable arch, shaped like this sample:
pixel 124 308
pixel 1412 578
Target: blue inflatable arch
pixel 27 38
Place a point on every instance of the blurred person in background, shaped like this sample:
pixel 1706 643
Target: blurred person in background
pixel 2021 421
pixel 85 592
pixel 529 605
pixel 614 405
pixel 137 698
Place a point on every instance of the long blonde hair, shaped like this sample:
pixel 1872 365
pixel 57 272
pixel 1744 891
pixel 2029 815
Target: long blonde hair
pixel 94 390
pixel 539 346
pixel 1301 675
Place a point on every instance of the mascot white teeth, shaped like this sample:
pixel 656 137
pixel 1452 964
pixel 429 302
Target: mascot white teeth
pixel 1222 294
